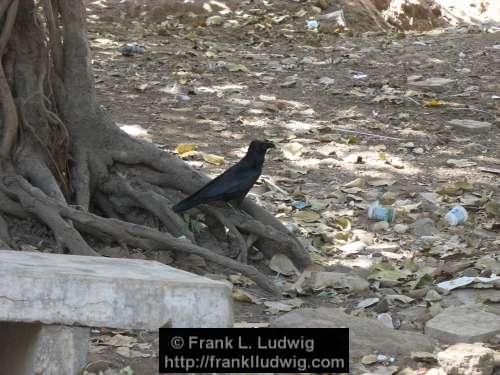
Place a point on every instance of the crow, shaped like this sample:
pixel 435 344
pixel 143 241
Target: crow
pixel 234 183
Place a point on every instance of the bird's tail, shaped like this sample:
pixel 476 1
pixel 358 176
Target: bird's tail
pixel 185 205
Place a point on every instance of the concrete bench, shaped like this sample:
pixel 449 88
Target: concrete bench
pixel 48 302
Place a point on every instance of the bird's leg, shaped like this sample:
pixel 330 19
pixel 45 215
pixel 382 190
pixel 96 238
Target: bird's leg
pixel 237 206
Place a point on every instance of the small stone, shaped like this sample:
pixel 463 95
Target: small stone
pixel 290 82
pixel 433 296
pixel 401 228
pixel 434 83
pixel 424 227
pixel 467 359
pixel 470 126
pixel 386 319
pixel 423 357
pixel 369 359
pixel 380 226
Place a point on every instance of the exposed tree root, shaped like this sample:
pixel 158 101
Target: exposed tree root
pixel 5 239
pixel 51 212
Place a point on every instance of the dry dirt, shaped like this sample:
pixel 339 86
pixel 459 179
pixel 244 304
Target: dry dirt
pixel 219 87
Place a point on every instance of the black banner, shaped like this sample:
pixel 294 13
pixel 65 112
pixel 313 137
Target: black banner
pixel 254 350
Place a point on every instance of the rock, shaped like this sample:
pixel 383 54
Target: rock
pixel 463 324
pixel 401 228
pixel 289 82
pixel 467 359
pixel 434 83
pixel 470 126
pixel 380 226
pixel 423 357
pixel 353 247
pixel 433 296
pixel 386 319
pixel 413 317
pixel 365 335
pixel 424 227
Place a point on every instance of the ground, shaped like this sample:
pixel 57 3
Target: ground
pixel 340 107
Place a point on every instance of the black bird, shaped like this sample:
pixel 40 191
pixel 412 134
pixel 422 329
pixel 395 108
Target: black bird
pixel 234 183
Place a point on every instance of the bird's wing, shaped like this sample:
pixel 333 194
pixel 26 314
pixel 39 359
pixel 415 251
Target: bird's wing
pixel 234 183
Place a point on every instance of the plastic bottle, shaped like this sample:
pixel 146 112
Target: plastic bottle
pixel 457 215
pixel 377 212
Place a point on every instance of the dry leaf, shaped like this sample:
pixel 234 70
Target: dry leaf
pixel 242 296
pixel 307 216
pixel 282 264
pixel 433 103
pixel 292 151
pixel 184 148
pixel 213 159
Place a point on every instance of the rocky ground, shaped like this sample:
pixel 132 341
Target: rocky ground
pixel 409 119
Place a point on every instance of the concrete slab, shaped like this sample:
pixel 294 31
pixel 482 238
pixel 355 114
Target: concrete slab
pixel 31 348
pixel 463 324
pixel 107 292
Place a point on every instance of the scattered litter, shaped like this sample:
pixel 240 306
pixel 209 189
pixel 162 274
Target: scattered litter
pixel 490 170
pixel 457 215
pixel 367 302
pixel 131 49
pixel 460 163
pixel 215 20
pixel 465 281
pixel 312 24
pixel 360 76
pixel 377 212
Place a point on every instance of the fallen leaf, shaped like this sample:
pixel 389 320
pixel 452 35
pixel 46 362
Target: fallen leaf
pixel 292 151
pixel 131 353
pixel 242 296
pixel 241 280
pixel 237 68
pixel 117 340
pixel 184 148
pixel 460 163
pixel 433 103
pixel 213 159
pixel 282 264
pixel 307 216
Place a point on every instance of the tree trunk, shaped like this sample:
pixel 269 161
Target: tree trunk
pixel 65 163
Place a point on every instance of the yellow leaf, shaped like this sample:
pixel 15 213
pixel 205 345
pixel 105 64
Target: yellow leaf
pixel 353 140
pixel 307 216
pixel 185 147
pixel 237 68
pixel 213 159
pixel 433 103
pixel 344 223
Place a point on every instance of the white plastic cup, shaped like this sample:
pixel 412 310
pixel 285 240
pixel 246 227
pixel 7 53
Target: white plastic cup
pixel 457 215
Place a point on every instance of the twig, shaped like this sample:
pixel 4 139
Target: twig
pixel 367 134
pixel 413 100
pixel 473 110
pixel 268 181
